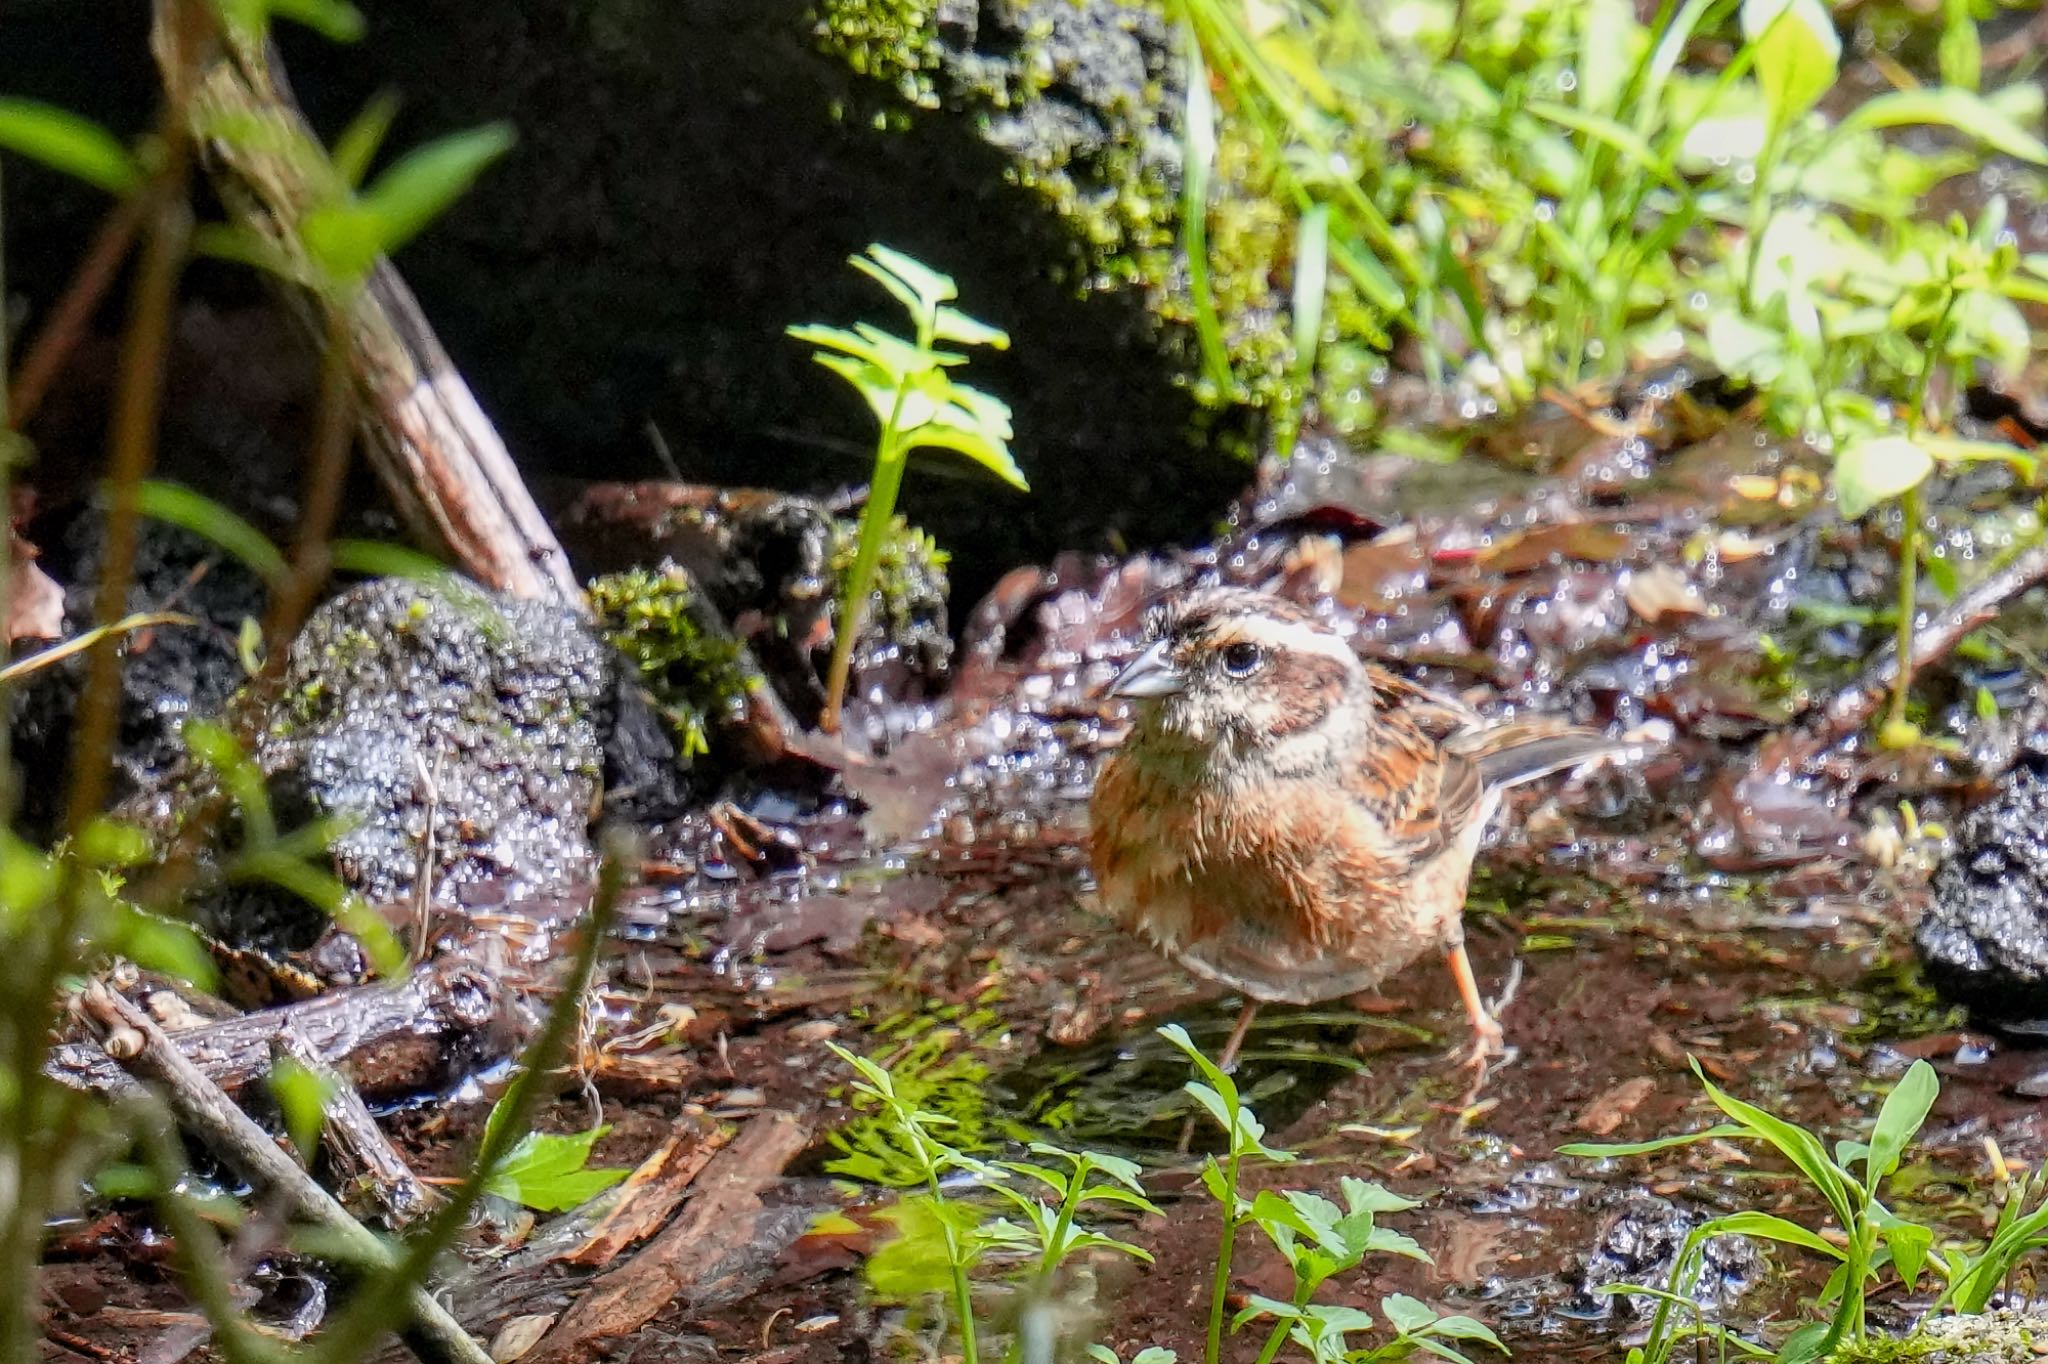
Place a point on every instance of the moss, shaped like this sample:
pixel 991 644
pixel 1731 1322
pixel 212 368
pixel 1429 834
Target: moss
pixel 693 677
pixel 893 41
pixel 1117 185
pixel 907 606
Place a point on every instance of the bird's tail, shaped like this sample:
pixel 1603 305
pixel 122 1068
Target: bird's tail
pixel 1511 754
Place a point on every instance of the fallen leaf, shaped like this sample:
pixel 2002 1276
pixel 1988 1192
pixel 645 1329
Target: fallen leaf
pixel 1607 1112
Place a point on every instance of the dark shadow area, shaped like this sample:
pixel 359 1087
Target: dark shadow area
pixel 682 191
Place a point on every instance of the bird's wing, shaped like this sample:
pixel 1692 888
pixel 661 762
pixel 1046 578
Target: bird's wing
pixel 1510 754
pixel 1422 790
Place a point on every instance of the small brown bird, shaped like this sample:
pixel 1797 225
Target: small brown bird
pixel 1294 822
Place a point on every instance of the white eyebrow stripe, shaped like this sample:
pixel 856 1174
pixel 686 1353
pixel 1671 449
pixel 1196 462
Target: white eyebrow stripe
pixel 1286 636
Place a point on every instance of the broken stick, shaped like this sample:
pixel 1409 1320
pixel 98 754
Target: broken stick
pixel 201 1108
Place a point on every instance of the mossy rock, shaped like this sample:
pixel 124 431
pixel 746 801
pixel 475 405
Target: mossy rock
pixel 691 179
pixel 407 707
pixel 2004 1336
pixel 692 676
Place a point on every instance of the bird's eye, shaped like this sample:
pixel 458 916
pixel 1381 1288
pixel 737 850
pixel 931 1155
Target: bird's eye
pixel 1242 660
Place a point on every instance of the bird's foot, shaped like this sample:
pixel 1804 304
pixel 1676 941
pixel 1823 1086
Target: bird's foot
pixel 1489 1045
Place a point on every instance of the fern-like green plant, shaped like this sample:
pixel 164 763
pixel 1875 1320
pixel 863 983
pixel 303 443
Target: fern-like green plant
pixel 906 384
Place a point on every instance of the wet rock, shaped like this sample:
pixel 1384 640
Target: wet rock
pixel 771 566
pixel 169 673
pixel 1640 1246
pixel 1984 937
pixel 407 707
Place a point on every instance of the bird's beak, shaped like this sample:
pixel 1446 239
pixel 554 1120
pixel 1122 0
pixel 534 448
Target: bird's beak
pixel 1149 674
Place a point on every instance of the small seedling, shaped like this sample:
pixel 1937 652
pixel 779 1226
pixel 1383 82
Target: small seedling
pixel 919 405
pixel 1318 1240
pixel 1869 1238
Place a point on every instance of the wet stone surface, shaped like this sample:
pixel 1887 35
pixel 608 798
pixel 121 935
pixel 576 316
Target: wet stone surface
pixel 1985 935
pixel 406 708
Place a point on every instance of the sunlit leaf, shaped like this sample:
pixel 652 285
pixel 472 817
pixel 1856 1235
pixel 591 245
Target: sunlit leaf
pixel 1899 1119
pixel 182 507
pixel 1767 1227
pixel 1793 1142
pixel 1868 472
pixel 953 325
pixel 1959 110
pixel 549 1173
pixel 925 287
pixel 67 142
pixel 1797 53
pixel 985 450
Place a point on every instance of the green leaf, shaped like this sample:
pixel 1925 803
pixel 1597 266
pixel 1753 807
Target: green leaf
pixel 920 288
pixel 876 386
pixel 1959 54
pixel 547 1172
pixel 1258 1306
pixel 159 944
pixel 1869 471
pixel 1467 1328
pixel 301 1094
pixel 1407 1315
pixel 1899 1119
pixel 951 324
pixel 1958 110
pixel 333 20
pixel 347 238
pixel 919 1259
pixel 1806 1343
pixel 426 180
pixel 1602 1150
pixel 109 842
pixel 1744 349
pixel 1909 1243
pixel 1769 1228
pixel 1608 44
pixel 1795 1143
pixel 1311 288
pixel 991 454
pixel 1797 53
pixel 182 507
pixel 66 142
pixel 1362 1195
pixel 357 146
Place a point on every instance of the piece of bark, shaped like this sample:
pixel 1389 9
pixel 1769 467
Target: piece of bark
pixel 435 451
pixel 649 1196
pixel 202 1109
pixel 721 1217
pixel 449 1017
pixel 357 1150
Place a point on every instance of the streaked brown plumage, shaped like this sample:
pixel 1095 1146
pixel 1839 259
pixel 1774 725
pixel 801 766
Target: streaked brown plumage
pixel 1292 821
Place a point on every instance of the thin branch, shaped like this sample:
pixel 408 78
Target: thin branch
pixel 136 1040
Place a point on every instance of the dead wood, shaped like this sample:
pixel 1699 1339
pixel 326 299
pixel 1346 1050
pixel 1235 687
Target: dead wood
pixel 650 1194
pixel 386 1042
pixel 357 1150
pixel 202 1109
pixel 437 454
pixel 690 1258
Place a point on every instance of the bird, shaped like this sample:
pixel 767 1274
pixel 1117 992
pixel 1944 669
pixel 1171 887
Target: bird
pixel 1293 822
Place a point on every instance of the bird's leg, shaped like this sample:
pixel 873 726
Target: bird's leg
pixel 1486 1031
pixel 1224 1063
pixel 1237 1035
